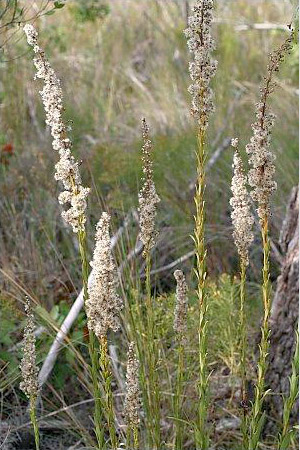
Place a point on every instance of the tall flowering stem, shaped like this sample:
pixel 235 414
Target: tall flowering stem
pixel 29 370
pixel 202 69
pixel 261 180
pixel 242 221
pixel 148 200
pixel 132 399
pixel 180 329
pixel 74 194
pixel 103 307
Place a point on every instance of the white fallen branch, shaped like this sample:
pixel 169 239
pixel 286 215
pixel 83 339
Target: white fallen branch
pixel 261 26
pixel 72 315
pixel 172 264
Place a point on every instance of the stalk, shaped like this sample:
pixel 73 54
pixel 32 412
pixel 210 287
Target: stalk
pixel 98 416
pixel 257 415
pixel 201 434
pixel 34 421
pixel 106 375
pixel 287 433
pixel 132 399
pixel 260 178
pixel 135 438
pixel 148 200
pixel 132 438
pixel 178 397
pixel 243 349
pixel 152 357
pixel 202 69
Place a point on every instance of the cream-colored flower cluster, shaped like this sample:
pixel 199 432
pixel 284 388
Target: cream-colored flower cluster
pixel 242 218
pixel 260 156
pixel 203 68
pixel 148 198
pixel 180 314
pixel 103 304
pixel 261 159
pixel 132 399
pixel 29 369
pixel 67 170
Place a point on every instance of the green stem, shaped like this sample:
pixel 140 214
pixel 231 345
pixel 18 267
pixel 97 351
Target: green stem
pixel 128 437
pixel 34 422
pixel 152 357
pixel 178 397
pixel 92 347
pixel 257 414
pixel 288 432
pixel 201 433
pixel 106 375
pixel 132 438
pixel 135 438
pixel 243 349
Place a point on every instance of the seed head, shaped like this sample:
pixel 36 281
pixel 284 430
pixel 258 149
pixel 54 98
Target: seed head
pixel 241 216
pixel 132 399
pixel 261 158
pixel 180 314
pixel 67 170
pixel 203 67
pixel 148 198
pixel 103 304
pixel 29 369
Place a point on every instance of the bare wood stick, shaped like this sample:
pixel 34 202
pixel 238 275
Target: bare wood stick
pixel 261 26
pixel 264 26
pixel 72 315
pixel 172 264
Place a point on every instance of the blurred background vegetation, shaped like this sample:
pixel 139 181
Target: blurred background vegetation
pixel 119 61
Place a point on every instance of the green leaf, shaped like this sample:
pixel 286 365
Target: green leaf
pixel 50 13
pixel 59 5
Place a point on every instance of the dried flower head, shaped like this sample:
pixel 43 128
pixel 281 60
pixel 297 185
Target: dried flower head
pixel 67 170
pixel 132 399
pixel 148 198
pixel 29 369
pixel 180 314
pixel 241 216
pixel 103 304
pixel 204 67
pixel 260 157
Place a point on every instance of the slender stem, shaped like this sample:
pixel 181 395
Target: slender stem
pixel 132 438
pixel 201 433
pixel 98 416
pixel 135 438
pixel 106 374
pixel 243 349
pixel 288 432
pixel 128 437
pixel 152 357
pixel 178 397
pixel 257 414
pixel 34 422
